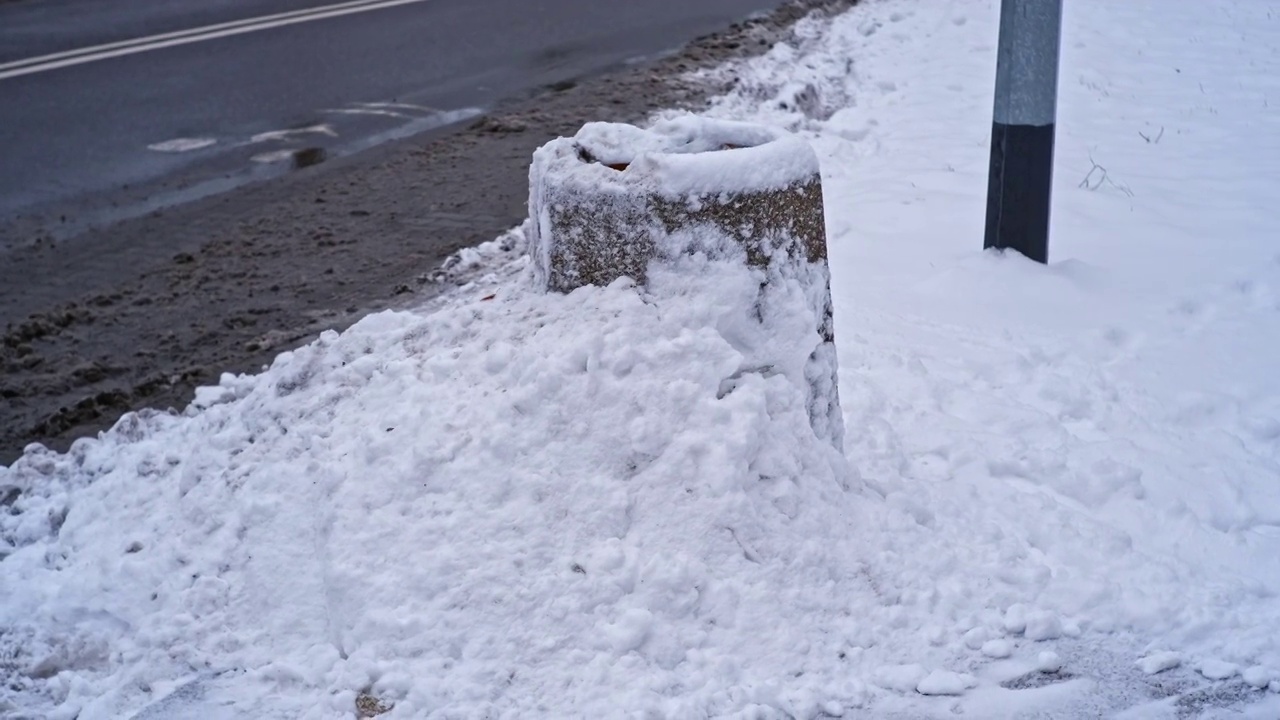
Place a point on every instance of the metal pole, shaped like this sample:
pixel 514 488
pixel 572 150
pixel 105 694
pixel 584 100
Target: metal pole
pixel 1022 130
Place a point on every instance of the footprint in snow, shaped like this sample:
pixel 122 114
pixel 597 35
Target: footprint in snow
pixel 1119 343
pixel 1192 314
pixel 1257 295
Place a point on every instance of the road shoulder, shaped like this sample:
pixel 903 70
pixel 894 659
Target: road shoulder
pixel 141 313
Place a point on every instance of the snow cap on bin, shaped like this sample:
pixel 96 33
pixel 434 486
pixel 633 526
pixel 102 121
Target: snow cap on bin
pixel 682 156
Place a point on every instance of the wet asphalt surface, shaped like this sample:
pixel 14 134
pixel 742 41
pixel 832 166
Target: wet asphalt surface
pixel 75 140
pixel 101 315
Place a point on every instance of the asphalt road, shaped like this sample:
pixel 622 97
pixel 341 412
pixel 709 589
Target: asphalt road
pixel 89 143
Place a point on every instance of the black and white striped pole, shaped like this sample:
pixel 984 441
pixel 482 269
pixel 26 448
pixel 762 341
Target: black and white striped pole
pixel 1020 183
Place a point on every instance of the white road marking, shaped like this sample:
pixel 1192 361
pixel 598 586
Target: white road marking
pixel 398 106
pixel 273 156
pixel 285 134
pixel 68 58
pixel 176 34
pixel 366 111
pixel 178 145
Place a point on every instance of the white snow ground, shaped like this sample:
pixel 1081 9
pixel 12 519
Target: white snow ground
pixel 538 506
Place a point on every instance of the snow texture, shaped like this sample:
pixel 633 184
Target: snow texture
pixel 615 199
pixel 941 682
pixel 1048 662
pixel 452 508
pixel 997 648
pixel 676 158
pixel 542 505
pixel 1159 662
pixel 1218 670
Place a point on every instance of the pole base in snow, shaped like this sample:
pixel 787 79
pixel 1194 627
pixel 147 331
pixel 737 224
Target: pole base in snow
pixel 1019 190
pixel 615 198
pixel 1026 105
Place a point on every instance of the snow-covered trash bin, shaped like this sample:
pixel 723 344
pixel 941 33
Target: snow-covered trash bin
pixel 615 198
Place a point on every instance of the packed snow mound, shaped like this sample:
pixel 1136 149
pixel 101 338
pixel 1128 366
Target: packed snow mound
pixel 1111 420
pixel 1068 505
pixel 589 230
pixel 674 158
pixel 535 505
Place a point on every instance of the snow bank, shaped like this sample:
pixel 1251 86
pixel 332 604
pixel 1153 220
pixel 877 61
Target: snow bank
pixel 615 199
pixel 679 156
pixel 535 505
pixel 1110 421
pixel 554 506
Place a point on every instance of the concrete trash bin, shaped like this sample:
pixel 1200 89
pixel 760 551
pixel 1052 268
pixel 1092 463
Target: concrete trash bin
pixel 614 198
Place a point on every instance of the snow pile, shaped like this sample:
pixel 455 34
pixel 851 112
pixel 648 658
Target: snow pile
pixel 1112 421
pixel 579 506
pixel 608 200
pixel 670 158
pixel 616 198
pixel 536 504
